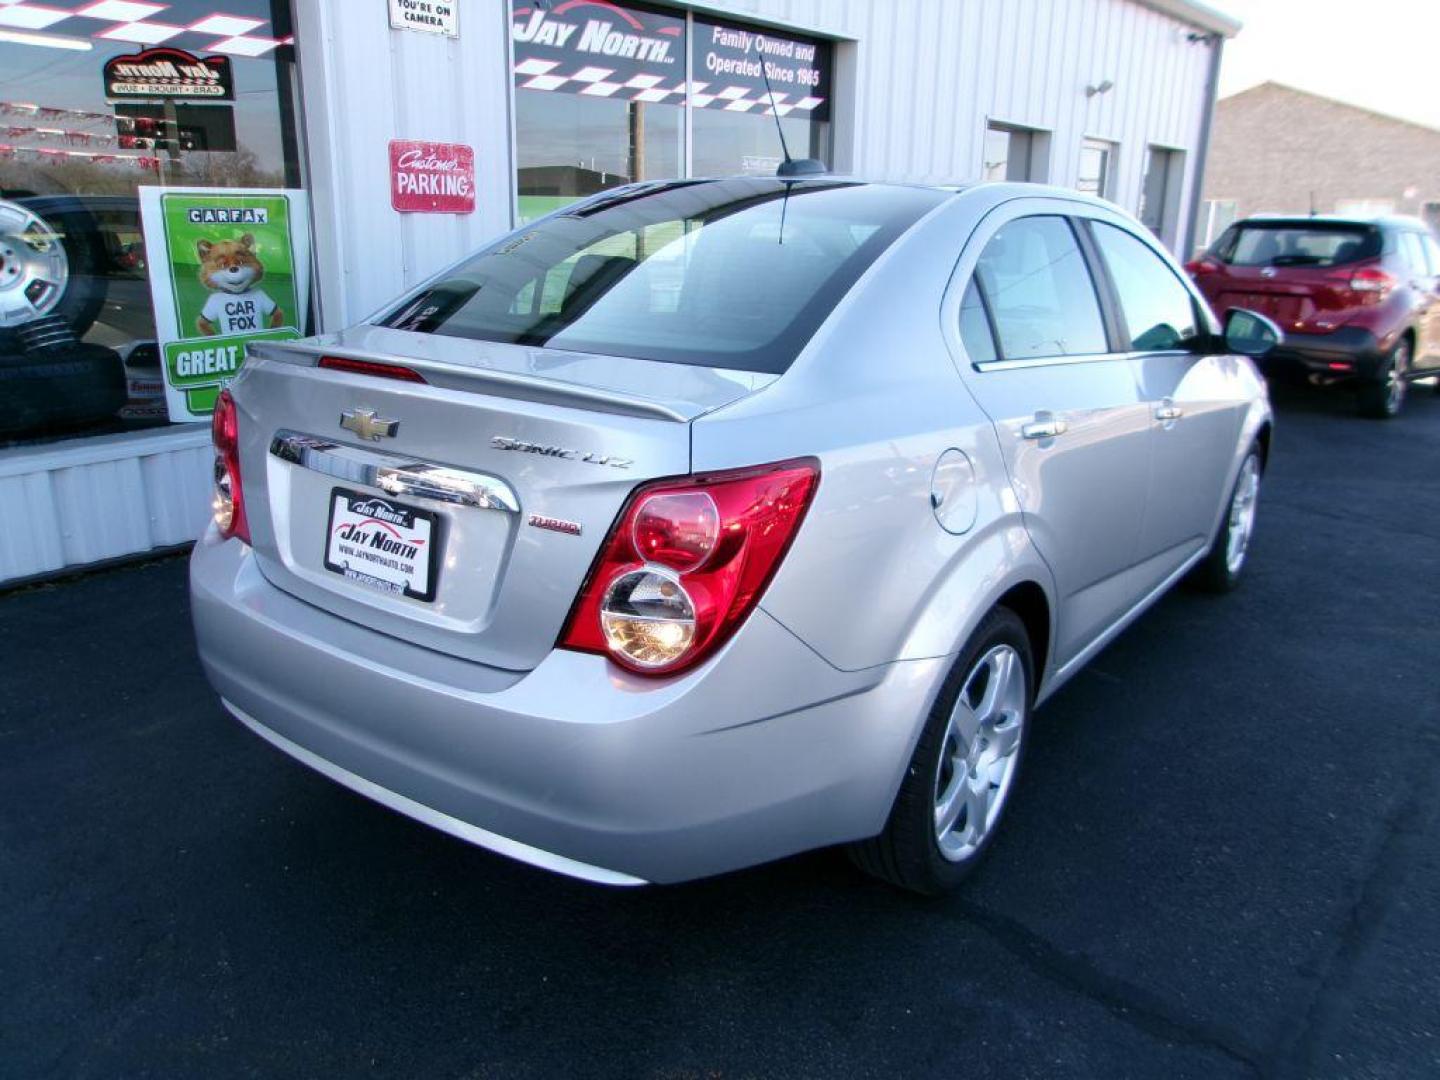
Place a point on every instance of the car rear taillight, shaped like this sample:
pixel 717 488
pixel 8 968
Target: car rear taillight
pixel 371 367
pixel 686 562
pixel 1365 285
pixel 1201 267
pixel 228 504
pixel 1371 280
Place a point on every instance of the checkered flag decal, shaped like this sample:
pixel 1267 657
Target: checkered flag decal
pixel 142 23
pixel 590 81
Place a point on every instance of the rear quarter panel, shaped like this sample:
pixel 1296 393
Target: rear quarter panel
pixel 873 578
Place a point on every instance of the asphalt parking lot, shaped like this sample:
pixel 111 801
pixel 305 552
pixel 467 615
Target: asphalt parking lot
pixel 1224 860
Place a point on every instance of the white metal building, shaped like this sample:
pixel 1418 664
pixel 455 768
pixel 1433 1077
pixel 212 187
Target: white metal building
pixel 1110 96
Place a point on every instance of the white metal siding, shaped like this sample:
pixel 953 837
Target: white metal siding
pixel 80 502
pixel 363 84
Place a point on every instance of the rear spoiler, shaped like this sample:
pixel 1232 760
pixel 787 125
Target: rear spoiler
pixel 506 384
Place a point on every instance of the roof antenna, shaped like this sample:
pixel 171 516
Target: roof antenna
pixel 790 166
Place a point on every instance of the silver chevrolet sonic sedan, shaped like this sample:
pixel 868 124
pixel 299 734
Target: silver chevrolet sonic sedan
pixel 704 522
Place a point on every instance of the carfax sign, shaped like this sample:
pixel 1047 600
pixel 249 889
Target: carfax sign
pixel 226 268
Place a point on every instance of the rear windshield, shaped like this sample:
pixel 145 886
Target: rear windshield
pixel 726 273
pixel 1300 244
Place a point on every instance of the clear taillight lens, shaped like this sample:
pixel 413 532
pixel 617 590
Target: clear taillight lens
pixel 228 504
pixel 648 618
pixel 685 564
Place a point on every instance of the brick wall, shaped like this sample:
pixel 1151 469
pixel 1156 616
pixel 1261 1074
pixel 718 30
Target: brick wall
pixel 1273 146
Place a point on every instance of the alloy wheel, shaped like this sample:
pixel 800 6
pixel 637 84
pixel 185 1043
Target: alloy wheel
pixel 1242 514
pixel 980 752
pixel 1395 381
pixel 33 266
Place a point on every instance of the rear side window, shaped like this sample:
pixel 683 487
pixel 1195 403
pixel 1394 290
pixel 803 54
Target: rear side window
pixel 975 332
pixel 1413 248
pixel 1299 244
pixel 1040 292
pixel 735 273
pixel 1432 254
pixel 1158 309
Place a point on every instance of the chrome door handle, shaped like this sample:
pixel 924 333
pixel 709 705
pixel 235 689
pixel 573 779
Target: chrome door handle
pixel 1168 412
pixel 1044 426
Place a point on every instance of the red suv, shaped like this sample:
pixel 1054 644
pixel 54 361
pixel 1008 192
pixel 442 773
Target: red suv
pixel 1359 300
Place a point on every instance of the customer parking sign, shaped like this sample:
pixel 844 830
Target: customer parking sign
pixel 227 267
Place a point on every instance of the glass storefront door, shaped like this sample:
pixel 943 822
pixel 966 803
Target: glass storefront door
pixel 97 100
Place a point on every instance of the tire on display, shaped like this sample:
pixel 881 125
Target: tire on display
pixel 1221 569
pixel 1382 398
pixel 963 771
pixel 59 389
pixel 52 239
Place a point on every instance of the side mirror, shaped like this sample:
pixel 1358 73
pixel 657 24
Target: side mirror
pixel 1250 333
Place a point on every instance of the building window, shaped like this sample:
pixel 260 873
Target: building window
pixel 732 122
pixel 77 141
pixel 1097 162
pixel 1013 153
pixel 1217 216
pixel 1159 206
pixel 602 98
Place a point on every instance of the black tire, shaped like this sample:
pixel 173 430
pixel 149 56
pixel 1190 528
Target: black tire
pixel 84 244
pixel 907 854
pixel 1217 572
pixel 59 389
pixel 1383 397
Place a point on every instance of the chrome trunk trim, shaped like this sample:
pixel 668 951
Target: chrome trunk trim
pixel 394 474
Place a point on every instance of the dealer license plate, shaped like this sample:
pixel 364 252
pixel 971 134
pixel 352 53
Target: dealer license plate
pixel 381 544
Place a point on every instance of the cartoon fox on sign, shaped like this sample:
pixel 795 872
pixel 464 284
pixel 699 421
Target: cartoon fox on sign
pixel 232 270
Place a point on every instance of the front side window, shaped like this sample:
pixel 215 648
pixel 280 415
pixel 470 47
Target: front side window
pixel 1158 309
pixel 733 273
pixel 1040 292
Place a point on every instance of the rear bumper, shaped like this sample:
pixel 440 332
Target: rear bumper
pixel 764 751
pixel 1349 351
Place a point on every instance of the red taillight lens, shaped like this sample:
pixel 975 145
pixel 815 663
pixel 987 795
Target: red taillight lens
pixel 1362 286
pixel 228 504
pixel 1372 280
pixel 685 564
pixel 371 367
pixel 1201 267
pixel 678 529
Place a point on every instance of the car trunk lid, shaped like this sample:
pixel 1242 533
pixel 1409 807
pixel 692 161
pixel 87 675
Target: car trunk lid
pixel 509 462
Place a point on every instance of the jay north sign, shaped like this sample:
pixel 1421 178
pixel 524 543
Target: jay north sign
pixel 633 53
pixel 169 73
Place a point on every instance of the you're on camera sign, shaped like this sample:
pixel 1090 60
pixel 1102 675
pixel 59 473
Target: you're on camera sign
pixel 427 16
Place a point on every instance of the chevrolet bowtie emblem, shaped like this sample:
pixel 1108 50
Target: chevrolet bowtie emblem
pixel 367 425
